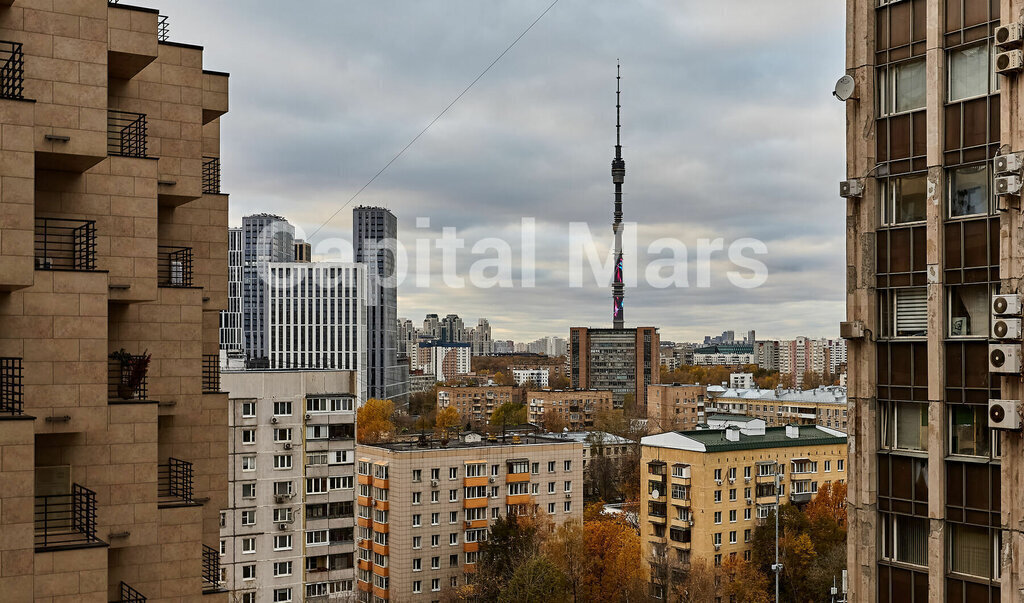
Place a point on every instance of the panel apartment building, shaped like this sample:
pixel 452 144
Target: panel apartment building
pixel 707 489
pixel 930 501
pixel 113 269
pixel 287 530
pixel 424 509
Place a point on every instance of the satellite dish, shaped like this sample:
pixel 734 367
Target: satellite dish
pixel 844 88
pixel 655 493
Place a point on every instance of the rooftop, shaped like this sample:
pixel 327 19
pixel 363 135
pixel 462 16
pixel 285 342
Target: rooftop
pixel 715 440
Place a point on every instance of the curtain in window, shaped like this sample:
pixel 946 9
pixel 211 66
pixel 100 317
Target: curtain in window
pixel 911 312
pixel 970 550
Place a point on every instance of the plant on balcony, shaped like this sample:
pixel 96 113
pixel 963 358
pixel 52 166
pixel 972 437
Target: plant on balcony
pixel 133 372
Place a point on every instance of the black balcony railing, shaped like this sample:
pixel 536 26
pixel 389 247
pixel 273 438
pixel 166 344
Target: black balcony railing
pixel 211 175
pixel 175 481
pixel 66 520
pixel 174 266
pixel 126 133
pixel 119 380
pixel 64 244
pixel 211 570
pixel 12 70
pixel 163 28
pixel 211 373
pixel 12 395
pixel 130 595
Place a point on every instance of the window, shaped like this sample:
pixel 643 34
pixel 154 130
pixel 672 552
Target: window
pixel 974 550
pixel 249 545
pixel 249 571
pixel 903 199
pixel 248 518
pixel 905 426
pixel 283 542
pixel 249 490
pixel 248 463
pixel 282 461
pixel 968 430
pixel 968 310
pixel 282 409
pixel 901 87
pixel 248 436
pixel 970 72
pixel 282 568
pixel 905 539
pixel 969 191
pixel 248 410
pixel 904 312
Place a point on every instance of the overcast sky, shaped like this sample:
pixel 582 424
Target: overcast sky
pixel 729 130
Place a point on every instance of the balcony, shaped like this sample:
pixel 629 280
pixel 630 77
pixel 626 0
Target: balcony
pixel 130 595
pixel 66 521
pixel 211 175
pixel 126 377
pixel 12 394
pixel 12 72
pixel 126 134
pixel 174 483
pixel 211 571
pixel 65 244
pixel 211 373
pixel 174 266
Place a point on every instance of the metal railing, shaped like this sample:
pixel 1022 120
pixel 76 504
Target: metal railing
pixel 118 381
pixel 12 72
pixel 126 133
pixel 211 175
pixel 174 266
pixel 211 569
pixel 66 520
pixel 175 480
pixel 65 244
pixel 163 31
pixel 12 395
pixel 211 373
pixel 130 595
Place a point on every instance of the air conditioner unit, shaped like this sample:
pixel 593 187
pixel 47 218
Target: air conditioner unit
pixel 433 483
pixel 1009 36
pixel 282 526
pixel 1008 185
pixel 1007 164
pixel 1010 62
pixel 1004 358
pixel 851 189
pixel 1006 305
pixel 1006 328
pixel 273 420
pixel 287 445
pixel 1004 414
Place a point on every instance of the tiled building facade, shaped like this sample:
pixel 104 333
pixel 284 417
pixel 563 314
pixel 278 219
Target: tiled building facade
pixel 113 236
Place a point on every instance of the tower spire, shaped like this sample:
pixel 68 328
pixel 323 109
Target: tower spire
pixel 618 176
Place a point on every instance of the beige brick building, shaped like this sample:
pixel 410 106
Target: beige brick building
pixel 672 406
pixel 577 407
pixel 707 489
pixel 113 235
pixel 424 509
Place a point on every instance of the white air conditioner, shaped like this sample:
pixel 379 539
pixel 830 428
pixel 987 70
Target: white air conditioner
pixel 282 526
pixel 287 445
pixel 1006 305
pixel 1008 185
pixel 1004 358
pixel 851 189
pixel 1009 36
pixel 1006 328
pixel 273 420
pixel 1010 62
pixel 1007 164
pixel 1004 414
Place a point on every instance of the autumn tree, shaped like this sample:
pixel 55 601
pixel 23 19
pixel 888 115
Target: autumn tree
pixel 448 420
pixel 553 420
pixel 373 421
pixel 509 413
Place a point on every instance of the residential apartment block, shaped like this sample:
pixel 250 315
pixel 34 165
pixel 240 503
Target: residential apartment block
pixel 706 490
pixel 623 361
pixel 578 408
pixel 825 406
pixel 675 406
pixel 287 531
pixel 424 509
pixel 477 403
pixel 931 502
pixel 113 269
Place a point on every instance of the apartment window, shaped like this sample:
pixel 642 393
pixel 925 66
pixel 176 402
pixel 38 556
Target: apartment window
pixel 904 312
pixel 905 539
pixel 282 409
pixel 249 571
pixel 248 463
pixel 249 545
pixel 283 542
pixel 904 425
pixel 903 199
pixel 282 461
pixel 969 310
pixel 282 595
pixel 248 518
pixel 970 72
pixel 248 436
pixel 968 430
pixel 282 568
pixel 248 410
pixel 974 550
pixel 901 87
pixel 249 490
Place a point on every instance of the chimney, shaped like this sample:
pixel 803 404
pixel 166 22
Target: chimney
pixel 792 431
pixel 732 433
